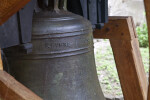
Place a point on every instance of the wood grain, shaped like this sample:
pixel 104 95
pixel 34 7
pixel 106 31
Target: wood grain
pixel 147 9
pixel 115 29
pixel 122 35
pixel 10 7
pixel 1 64
pixel 10 89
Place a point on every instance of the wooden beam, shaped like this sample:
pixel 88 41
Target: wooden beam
pixel 10 89
pixel 10 7
pixel 147 9
pixel 115 29
pixel 121 33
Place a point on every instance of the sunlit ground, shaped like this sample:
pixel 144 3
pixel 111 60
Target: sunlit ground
pixel 106 68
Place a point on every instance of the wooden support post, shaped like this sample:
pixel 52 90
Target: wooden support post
pixel 147 9
pixel 121 33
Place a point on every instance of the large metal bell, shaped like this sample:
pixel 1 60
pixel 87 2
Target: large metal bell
pixel 62 64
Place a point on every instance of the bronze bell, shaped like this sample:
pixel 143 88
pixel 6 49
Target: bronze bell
pixel 62 64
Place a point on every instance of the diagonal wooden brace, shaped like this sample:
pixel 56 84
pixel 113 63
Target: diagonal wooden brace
pixel 122 35
pixel 11 89
pixel 147 10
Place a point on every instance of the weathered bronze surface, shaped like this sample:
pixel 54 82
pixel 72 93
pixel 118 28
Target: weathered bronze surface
pixel 62 64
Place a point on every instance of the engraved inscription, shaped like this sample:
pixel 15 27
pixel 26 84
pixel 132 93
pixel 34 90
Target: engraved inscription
pixel 56 45
pixel 76 42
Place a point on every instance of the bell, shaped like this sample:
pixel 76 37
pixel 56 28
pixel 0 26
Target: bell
pixel 61 65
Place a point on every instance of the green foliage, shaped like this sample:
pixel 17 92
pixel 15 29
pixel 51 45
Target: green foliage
pixel 143 35
pixel 145 56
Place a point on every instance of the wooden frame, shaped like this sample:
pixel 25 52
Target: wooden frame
pixel 10 7
pixel 122 35
pixel 147 9
pixel 10 89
